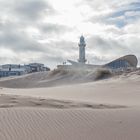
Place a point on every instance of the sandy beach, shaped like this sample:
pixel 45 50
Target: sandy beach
pixel 107 109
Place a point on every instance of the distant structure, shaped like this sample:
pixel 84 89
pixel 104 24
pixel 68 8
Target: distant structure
pixel 82 46
pixel 127 62
pixel 123 63
pixel 37 67
pixel 16 70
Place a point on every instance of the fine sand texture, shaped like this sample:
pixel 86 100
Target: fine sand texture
pixel 107 109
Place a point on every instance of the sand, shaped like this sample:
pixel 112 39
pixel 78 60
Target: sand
pixel 108 109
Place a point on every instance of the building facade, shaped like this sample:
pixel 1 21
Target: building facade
pixel 123 63
pixel 16 70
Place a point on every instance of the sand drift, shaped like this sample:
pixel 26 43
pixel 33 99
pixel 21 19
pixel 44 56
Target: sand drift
pixel 55 78
pixel 14 101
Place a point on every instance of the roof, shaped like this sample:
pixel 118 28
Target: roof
pixel 131 59
pixel 36 64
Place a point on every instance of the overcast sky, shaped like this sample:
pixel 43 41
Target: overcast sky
pixel 48 31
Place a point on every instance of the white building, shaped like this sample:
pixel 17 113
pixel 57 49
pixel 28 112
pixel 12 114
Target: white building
pixel 82 46
pixel 15 70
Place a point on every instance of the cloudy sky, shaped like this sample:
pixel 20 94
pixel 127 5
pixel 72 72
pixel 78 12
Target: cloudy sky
pixel 48 31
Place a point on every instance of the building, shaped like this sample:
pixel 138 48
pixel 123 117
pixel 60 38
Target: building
pixel 16 70
pixel 82 46
pixel 12 70
pixel 123 63
pixel 5 73
pixel 36 67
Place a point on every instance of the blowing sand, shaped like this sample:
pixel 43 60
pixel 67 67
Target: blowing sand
pixel 108 109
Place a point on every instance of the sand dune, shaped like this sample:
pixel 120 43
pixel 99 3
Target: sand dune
pixel 106 109
pixel 54 78
pixel 63 77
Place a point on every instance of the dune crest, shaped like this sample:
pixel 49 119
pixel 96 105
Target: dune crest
pixel 55 78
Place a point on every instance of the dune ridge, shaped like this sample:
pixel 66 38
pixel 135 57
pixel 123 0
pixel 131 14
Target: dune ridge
pixel 55 78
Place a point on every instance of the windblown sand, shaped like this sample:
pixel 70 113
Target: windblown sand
pixel 103 110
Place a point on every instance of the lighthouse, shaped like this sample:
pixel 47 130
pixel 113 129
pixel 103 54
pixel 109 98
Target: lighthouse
pixel 82 46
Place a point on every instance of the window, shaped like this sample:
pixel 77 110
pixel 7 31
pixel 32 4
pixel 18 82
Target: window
pixel 118 64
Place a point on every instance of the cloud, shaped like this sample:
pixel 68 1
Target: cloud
pixel 118 13
pixel 109 47
pixel 125 14
pixel 53 29
pixel 13 38
pixel 32 9
pixel 48 31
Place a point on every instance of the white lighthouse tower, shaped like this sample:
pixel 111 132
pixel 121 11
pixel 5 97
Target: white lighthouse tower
pixel 82 46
